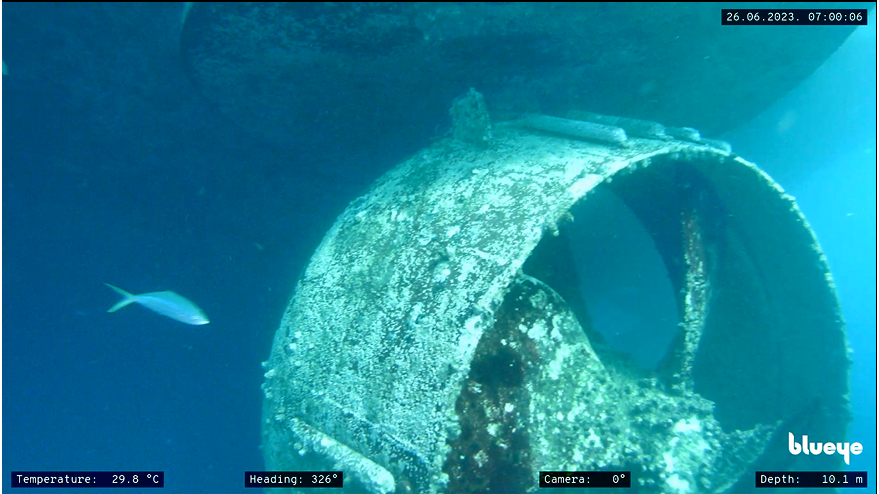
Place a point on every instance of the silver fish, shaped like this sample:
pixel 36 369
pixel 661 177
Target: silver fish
pixel 166 303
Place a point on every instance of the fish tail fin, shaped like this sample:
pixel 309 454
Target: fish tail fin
pixel 126 300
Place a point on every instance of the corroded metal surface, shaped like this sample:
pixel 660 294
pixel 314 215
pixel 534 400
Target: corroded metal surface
pixel 415 353
pixel 310 74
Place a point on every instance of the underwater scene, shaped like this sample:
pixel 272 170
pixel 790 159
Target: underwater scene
pixel 396 248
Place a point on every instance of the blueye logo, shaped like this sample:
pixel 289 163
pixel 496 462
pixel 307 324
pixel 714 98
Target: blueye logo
pixel 828 448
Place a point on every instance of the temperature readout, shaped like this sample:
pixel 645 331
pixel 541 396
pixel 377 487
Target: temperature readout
pixel 89 479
